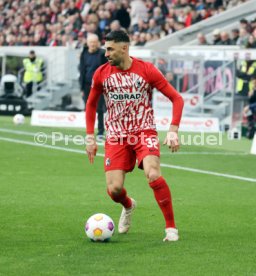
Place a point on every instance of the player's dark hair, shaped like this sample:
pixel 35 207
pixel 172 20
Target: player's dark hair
pixel 118 36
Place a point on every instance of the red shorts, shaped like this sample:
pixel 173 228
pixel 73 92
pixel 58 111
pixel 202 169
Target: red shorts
pixel 121 153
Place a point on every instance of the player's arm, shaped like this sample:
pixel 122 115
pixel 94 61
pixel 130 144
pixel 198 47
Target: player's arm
pixel 172 140
pixel 160 83
pixel 90 116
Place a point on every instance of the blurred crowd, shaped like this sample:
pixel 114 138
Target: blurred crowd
pixel 67 22
pixel 244 36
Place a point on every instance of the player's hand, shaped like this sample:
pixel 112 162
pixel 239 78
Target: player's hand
pixel 91 147
pixel 172 141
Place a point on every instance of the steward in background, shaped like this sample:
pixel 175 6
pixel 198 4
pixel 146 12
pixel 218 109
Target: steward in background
pixel 33 74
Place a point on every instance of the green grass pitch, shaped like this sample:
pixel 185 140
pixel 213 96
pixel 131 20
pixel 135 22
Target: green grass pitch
pixel 47 194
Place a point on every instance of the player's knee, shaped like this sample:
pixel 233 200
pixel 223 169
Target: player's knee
pixel 153 174
pixel 114 188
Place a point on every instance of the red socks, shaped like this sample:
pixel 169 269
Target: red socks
pixel 163 197
pixel 121 198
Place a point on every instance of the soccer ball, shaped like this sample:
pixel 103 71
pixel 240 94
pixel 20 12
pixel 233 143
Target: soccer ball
pixel 18 119
pixel 99 227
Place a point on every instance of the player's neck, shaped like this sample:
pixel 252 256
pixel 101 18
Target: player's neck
pixel 126 64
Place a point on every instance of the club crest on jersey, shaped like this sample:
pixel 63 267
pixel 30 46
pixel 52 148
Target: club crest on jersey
pixel 138 84
pixel 108 162
pixel 124 96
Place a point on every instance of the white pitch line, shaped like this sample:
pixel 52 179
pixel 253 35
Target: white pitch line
pixel 17 141
pixel 21 132
pixel 44 145
pixel 28 133
pixel 209 172
pixel 205 153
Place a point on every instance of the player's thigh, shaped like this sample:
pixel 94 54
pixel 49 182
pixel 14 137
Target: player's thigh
pixel 147 145
pixel 151 165
pixel 115 180
pixel 119 156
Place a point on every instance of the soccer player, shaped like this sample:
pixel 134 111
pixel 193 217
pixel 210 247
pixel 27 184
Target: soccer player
pixel 126 83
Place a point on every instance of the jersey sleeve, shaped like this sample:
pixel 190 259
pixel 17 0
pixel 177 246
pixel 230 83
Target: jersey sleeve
pixel 91 105
pixel 158 81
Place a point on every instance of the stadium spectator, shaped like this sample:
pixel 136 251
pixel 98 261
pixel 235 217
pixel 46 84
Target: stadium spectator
pixel 213 4
pixel 163 6
pixel 240 37
pixel 122 14
pixel 115 26
pixel 251 42
pixel 156 36
pixel 243 38
pixel 72 9
pixel 253 24
pixel 192 17
pixel 91 58
pixel 179 26
pixel 112 8
pixel 138 11
pixel 158 16
pixel 254 33
pixel 33 73
pixel 104 20
pixel 135 39
pixel 142 26
pixel 171 13
pixel 153 27
pixel 234 36
pixel 149 37
pixel 130 115
pixel 224 39
pixel 81 41
pixel 216 37
pixel 52 40
pixel 244 24
pixel 201 39
pixel 32 18
pixel 2 40
pixel 142 40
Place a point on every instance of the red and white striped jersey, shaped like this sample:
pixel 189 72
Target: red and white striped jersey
pixel 128 97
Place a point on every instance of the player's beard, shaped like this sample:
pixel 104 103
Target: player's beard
pixel 114 62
